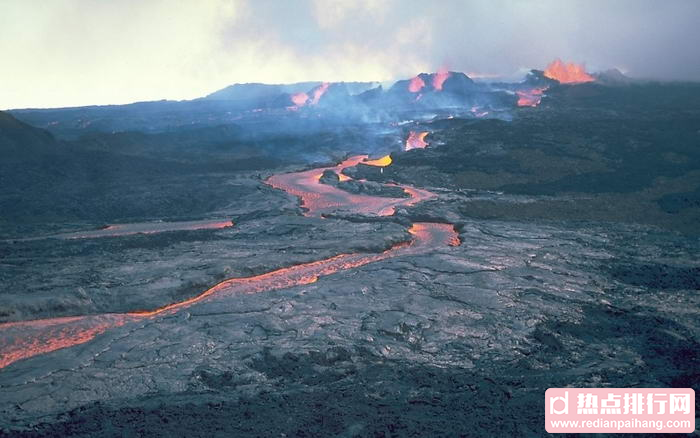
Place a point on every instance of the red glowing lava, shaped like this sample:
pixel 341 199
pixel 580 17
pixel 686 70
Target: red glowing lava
pixel 416 84
pixel 318 92
pixel 567 73
pixel 416 140
pixel 319 199
pixel 146 228
pixel 440 78
pixel 531 97
pixel 21 340
pixel 25 339
pixel 299 99
pixel 379 162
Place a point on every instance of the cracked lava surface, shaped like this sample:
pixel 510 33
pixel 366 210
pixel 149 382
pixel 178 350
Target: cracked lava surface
pixel 25 339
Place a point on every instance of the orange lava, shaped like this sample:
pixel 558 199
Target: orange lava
pixel 318 92
pixel 319 199
pixel 300 99
pixel 25 339
pixel 416 140
pixel 146 228
pixel 20 340
pixel 379 162
pixel 416 84
pixel 531 97
pixel 567 73
pixel 440 78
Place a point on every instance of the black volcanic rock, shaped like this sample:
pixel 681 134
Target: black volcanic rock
pixel 613 76
pixel 336 94
pixel 371 95
pixel 536 78
pixel 20 141
pixel 458 83
pixel 330 177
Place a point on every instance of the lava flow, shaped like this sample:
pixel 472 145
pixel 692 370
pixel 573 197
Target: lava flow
pixel 416 140
pixel 379 162
pixel 567 73
pixel 299 99
pixel 25 339
pixel 146 228
pixel 530 97
pixel 318 92
pixel 319 199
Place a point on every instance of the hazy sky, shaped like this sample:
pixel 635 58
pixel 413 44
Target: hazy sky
pixel 79 52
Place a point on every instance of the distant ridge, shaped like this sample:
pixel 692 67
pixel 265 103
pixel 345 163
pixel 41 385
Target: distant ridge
pixel 260 91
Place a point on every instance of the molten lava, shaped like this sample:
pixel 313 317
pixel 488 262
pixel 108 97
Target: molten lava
pixel 379 162
pixel 416 140
pixel 478 111
pixel 146 228
pixel 416 84
pixel 567 73
pixel 440 78
pixel 319 199
pixel 318 92
pixel 24 339
pixel 299 99
pixel 531 97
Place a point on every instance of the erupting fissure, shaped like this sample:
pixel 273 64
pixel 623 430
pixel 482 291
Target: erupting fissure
pixel 25 339
pixel 416 84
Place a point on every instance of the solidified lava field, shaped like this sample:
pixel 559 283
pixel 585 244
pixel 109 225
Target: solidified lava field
pixel 427 275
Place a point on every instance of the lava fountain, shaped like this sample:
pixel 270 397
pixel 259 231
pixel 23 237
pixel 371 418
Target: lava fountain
pixel 416 84
pixel 299 99
pixel 318 92
pixel 440 78
pixel 416 140
pixel 567 73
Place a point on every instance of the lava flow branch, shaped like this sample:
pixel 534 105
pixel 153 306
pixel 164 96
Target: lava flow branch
pixel 319 199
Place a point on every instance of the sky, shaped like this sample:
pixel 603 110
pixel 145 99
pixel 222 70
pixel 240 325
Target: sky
pixel 80 52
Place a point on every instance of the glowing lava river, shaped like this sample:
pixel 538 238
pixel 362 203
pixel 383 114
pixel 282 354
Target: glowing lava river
pixel 24 339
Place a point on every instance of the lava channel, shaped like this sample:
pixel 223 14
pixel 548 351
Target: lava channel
pixel 318 199
pixel 25 339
